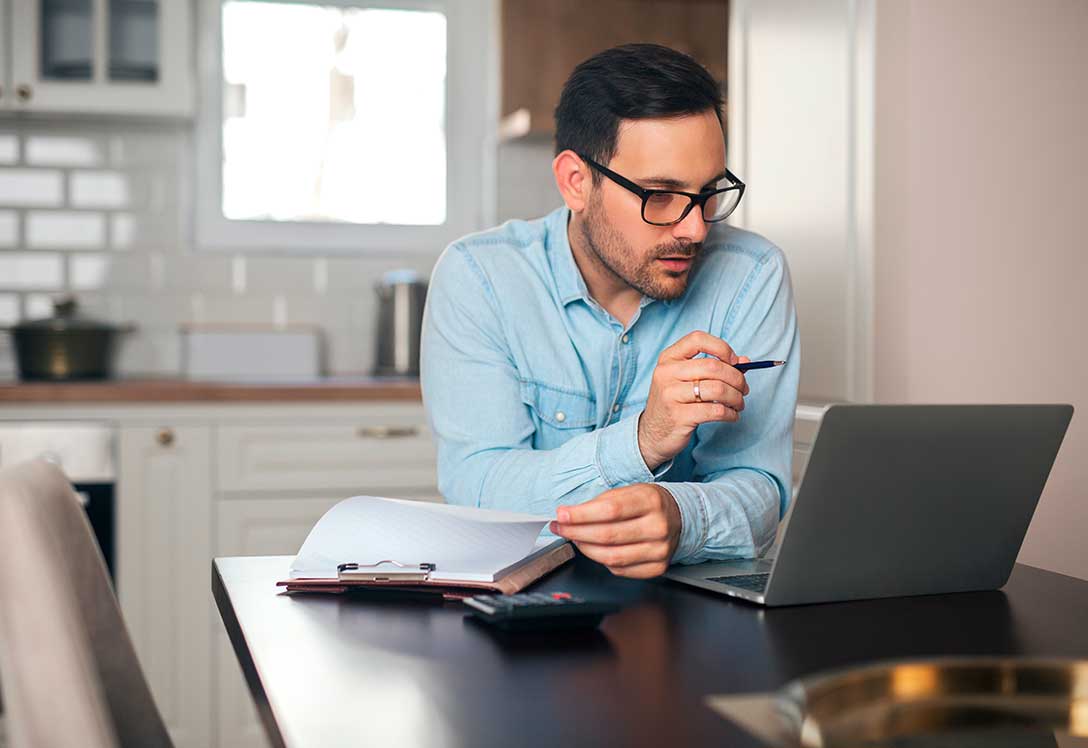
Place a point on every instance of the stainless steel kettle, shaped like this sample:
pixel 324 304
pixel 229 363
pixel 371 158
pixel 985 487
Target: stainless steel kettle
pixel 401 295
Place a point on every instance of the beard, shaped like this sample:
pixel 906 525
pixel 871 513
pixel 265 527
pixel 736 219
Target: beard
pixel 613 251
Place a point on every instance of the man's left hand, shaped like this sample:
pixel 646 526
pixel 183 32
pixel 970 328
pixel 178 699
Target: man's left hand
pixel 633 530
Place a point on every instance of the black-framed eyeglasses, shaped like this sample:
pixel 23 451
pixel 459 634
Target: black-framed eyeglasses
pixel 666 207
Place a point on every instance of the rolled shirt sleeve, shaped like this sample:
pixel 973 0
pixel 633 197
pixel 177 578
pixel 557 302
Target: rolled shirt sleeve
pixel 742 474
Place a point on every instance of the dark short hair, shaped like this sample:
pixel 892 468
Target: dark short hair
pixel 633 81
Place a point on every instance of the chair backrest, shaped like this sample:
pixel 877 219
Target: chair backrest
pixel 67 667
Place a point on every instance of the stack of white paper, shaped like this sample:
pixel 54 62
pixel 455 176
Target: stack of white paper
pixel 464 543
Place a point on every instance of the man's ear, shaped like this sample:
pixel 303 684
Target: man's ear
pixel 573 179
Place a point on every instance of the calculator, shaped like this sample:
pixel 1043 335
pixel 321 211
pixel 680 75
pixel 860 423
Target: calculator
pixel 539 611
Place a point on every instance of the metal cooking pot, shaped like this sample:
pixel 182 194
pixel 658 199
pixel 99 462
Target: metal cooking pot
pixel 65 346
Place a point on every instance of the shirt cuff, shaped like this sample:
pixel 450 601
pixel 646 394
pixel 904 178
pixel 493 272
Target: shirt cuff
pixel 619 458
pixel 693 520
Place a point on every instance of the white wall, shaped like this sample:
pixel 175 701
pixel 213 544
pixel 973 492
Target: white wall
pixel 800 129
pixel 923 165
pixel 982 256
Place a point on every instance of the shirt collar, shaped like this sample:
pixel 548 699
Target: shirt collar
pixel 569 282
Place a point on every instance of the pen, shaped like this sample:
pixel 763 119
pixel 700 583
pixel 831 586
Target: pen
pixel 758 365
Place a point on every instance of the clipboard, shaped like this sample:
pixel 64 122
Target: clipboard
pixel 391 575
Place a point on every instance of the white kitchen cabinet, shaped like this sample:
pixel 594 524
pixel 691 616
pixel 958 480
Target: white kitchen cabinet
pixel 164 550
pixel 390 453
pixel 254 527
pixel 115 57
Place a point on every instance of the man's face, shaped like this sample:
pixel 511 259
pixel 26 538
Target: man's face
pixel 683 153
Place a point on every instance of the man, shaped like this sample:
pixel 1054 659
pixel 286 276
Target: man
pixel 581 365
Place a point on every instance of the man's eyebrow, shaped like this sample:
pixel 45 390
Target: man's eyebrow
pixel 667 183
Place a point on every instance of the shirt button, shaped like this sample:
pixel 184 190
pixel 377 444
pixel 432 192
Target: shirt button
pixel 616 408
pixel 626 338
pixel 560 416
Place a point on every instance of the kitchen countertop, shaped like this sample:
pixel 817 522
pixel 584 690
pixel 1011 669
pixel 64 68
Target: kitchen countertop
pixel 181 390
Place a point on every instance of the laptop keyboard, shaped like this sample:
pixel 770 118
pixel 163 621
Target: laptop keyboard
pixel 753 582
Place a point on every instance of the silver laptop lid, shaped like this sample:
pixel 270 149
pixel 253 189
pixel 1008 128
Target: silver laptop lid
pixel 915 499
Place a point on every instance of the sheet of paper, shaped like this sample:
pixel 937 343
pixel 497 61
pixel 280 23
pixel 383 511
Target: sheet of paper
pixel 457 539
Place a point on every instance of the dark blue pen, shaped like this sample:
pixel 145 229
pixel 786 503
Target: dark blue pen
pixel 757 365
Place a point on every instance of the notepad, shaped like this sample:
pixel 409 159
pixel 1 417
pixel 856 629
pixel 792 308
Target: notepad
pixel 464 544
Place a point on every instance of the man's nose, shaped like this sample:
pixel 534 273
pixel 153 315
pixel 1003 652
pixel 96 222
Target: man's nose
pixel 693 227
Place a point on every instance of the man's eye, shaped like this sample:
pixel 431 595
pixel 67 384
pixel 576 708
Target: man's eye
pixel 660 198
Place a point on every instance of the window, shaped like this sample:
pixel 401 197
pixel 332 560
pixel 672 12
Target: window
pixel 343 125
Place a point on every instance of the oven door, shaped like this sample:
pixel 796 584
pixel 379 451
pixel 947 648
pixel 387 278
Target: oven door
pixel 98 503
pixel 85 451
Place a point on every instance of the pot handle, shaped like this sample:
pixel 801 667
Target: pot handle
pixel 127 327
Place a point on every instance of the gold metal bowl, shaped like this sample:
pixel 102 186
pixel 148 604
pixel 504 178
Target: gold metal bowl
pixel 955 701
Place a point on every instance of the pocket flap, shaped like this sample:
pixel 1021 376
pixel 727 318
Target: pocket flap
pixel 559 407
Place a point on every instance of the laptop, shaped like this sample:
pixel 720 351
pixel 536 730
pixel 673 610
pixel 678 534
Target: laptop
pixel 903 500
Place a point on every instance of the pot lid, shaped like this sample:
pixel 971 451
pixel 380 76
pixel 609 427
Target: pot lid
pixel 65 318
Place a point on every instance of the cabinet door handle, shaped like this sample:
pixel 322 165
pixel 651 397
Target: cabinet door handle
pixel 386 432
pixel 24 92
pixel 165 437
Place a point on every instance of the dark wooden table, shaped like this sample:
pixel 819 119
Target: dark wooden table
pixel 338 671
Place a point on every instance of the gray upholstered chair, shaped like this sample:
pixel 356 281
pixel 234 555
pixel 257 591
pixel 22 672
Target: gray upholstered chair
pixel 67 667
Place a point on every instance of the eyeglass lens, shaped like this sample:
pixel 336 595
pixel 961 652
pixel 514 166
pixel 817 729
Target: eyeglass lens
pixel 666 207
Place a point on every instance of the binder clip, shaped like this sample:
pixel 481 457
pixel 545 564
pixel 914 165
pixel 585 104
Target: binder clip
pixel 384 571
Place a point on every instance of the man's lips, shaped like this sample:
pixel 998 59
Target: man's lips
pixel 676 264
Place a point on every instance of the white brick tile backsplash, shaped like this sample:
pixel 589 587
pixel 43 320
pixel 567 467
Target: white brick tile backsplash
pixel 193 271
pixel 348 353
pixel 63 150
pixel 88 272
pixel 99 189
pixel 31 270
pixel 141 147
pixel 65 230
pixel 358 274
pixel 150 351
pixel 73 193
pixel 37 306
pixel 122 231
pixel 9 149
pixel 9 228
pixel 9 308
pixel 280 274
pixel 31 187
pixel 141 230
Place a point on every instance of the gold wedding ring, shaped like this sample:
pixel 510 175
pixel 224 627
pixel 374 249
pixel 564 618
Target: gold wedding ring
pixel 695 391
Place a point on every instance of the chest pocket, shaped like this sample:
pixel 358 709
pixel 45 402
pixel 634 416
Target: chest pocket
pixel 558 413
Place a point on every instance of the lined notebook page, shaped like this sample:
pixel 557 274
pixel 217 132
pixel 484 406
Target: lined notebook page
pixel 458 540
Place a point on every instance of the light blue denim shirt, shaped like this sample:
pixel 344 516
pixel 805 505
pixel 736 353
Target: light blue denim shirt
pixel 533 390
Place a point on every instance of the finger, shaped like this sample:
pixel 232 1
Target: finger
pixel 633 554
pixel 610 506
pixel 697 342
pixel 649 527
pixel 707 368
pixel 710 390
pixel 696 413
pixel 744 360
pixel 641 571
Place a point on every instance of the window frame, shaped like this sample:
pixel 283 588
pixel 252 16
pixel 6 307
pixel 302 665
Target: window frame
pixel 471 134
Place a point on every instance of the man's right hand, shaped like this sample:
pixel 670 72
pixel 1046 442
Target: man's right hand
pixel 672 412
